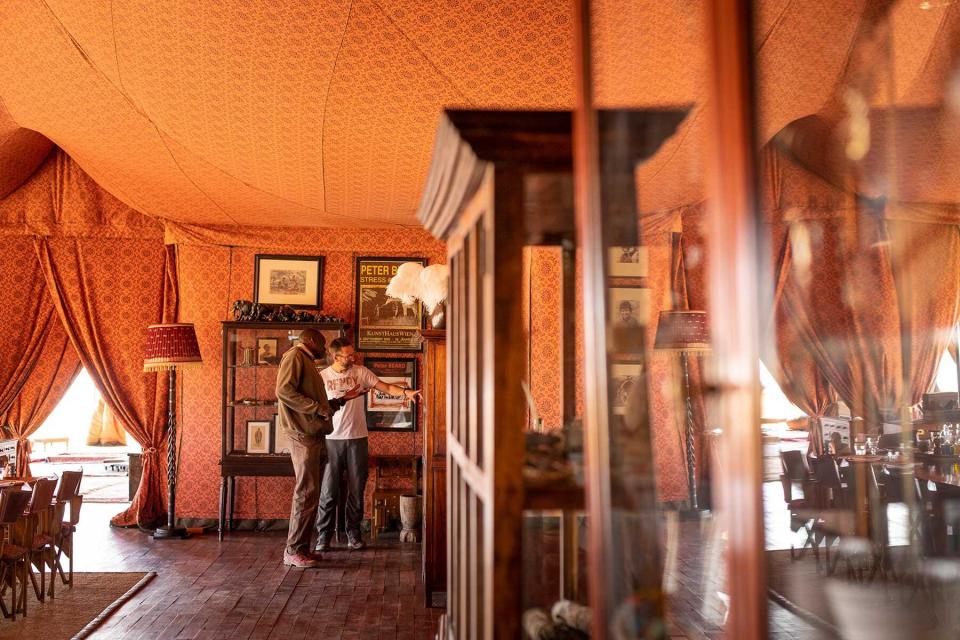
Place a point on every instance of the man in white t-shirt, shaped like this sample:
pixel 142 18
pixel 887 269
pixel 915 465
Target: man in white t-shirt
pixel 347 445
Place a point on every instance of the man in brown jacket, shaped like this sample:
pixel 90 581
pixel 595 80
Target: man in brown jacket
pixel 305 413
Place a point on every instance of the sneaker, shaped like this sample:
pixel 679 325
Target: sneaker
pixel 322 545
pixel 300 560
pixel 356 545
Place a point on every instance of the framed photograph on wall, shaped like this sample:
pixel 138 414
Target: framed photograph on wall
pixel 292 280
pixel 629 315
pixel 384 411
pixel 258 436
pixel 384 323
pixel 627 262
pixel 623 380
pixel 268 351
pixel 281 443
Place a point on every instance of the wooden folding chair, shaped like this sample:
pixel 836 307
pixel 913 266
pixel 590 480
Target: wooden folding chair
pixel 68 494
pixel 13 558
pixel 33 530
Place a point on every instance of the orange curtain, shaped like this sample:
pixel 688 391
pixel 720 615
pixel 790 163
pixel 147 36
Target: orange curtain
pixel 877 295
pixel 49 380
pixel 28 345
pixel 106 292
pixel 791 365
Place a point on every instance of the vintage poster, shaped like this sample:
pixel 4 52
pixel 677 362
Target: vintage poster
pixel 384 323
pixel 386 412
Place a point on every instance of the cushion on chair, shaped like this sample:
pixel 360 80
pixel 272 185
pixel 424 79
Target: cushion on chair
pixel 42 540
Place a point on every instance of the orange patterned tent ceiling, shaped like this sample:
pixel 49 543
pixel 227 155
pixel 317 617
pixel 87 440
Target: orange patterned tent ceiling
pixel 323 113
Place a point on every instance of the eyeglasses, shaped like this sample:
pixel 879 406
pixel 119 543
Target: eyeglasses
pixel 346 356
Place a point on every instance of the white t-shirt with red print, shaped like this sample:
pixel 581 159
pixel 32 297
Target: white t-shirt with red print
pixel 350 421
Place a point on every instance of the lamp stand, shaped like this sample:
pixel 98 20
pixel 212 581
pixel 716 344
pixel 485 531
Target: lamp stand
pixel 171 531
pixel 693 512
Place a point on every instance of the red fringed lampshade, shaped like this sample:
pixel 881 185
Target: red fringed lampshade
pixel 683 331
pixel 171 346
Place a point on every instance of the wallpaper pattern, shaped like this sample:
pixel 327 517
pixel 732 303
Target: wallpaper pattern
pixel 211 278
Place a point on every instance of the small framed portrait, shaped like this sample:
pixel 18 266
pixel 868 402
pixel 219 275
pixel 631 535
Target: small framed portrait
pixel 292 280
pixel 629 314
pixel 384 411
pixel 624 382
pixel 267 351
pixel 281 443
pixel 627 262
pixel 258 436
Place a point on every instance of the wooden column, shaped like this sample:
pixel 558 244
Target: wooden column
pixel 435 468
pixel 736 269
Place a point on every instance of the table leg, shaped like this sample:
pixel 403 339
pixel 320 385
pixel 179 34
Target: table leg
pixel 233 498
pixel 223 507
pixel 568 555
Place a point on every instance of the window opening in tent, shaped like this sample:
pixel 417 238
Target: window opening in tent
pixel 81 433
pixel 946 376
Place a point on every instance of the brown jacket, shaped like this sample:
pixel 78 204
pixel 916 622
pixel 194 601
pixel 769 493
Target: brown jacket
pixel 301 396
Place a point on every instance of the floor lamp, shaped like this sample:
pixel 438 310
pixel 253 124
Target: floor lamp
pixel 171 347
pixel 685 332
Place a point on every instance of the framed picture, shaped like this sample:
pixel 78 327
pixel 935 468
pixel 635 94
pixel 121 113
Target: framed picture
pixel 623 380
pixel 383 323
pixel 281 443
pixel 384 411
pixel 292 280
pixel 268 351
pixel 258 436
pixel 627 262
pixel 629 315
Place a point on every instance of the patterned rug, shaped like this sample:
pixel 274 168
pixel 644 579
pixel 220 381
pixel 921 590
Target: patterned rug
pixel 76 612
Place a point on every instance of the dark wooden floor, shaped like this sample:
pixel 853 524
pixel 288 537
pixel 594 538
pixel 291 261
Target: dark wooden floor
pixel 240 589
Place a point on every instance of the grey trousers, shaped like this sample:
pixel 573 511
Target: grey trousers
pixel 307 454
pixel 350 456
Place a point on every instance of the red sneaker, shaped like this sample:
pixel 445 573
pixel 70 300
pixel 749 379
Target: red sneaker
pixel 300 560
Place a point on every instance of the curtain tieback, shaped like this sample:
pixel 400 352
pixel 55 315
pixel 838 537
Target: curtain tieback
pixel 150 451
pixel 27 445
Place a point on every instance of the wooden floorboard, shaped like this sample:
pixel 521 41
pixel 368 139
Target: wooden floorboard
pixel 239 588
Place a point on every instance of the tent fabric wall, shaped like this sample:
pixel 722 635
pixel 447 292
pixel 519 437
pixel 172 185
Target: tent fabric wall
pixel 211 278
pixel 107 292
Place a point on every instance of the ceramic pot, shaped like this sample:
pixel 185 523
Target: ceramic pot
pixel 411 512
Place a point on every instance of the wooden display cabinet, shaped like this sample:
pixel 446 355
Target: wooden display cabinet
pixel 248 394
pixel 500 182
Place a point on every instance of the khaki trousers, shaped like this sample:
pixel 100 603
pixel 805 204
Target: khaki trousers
pixel 308 454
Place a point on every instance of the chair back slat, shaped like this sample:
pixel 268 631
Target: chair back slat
pixel 794 466
pixel 69 485
pixel 42 495
pixel 13 502
pixel 75 503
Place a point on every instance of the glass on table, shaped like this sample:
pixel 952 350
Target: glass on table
pixel 860 445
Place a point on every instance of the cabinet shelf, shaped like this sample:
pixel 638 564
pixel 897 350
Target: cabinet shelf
pixel 564 496
pixel 256 390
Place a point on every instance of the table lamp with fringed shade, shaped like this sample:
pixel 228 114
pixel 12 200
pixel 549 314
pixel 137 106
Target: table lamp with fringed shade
pixel 171 347
pixel 685 332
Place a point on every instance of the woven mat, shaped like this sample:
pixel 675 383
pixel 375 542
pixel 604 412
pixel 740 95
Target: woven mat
pixel 72 610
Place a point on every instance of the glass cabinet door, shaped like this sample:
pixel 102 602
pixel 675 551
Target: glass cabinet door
pixel 251 360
